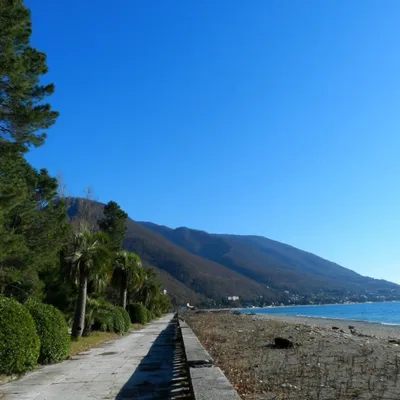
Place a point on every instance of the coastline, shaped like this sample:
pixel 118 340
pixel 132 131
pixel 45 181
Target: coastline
pixel 378 329
pixel 320 305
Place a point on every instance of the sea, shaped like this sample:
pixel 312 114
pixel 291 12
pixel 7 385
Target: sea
pixel 383 313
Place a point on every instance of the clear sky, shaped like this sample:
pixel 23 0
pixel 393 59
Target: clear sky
pixel 271 117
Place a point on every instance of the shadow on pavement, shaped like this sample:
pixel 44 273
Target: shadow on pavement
pixel 162 372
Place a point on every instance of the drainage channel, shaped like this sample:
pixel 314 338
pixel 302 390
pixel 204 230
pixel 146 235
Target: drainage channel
pixel 163 373
pixel 181 381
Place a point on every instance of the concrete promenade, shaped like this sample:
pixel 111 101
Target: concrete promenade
pixel 146 364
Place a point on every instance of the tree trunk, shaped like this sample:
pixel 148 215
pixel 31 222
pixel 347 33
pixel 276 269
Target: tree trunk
pixel 80 310
pixel 123 296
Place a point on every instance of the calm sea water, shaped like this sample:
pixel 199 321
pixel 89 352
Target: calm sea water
pixel 384 313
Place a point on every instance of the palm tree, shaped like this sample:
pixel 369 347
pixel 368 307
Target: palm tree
pixel 127 274
pixel 151 287
pixel 89 261
pixel 141 279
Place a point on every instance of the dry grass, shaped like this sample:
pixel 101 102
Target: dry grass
pixel 95 339
pixel 87 342
pixel 325 365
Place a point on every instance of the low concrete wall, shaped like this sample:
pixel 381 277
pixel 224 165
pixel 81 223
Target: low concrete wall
pixel 207 381
pixel 196 354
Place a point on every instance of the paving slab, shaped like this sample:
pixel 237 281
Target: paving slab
pixel 210 383
pixel 120 369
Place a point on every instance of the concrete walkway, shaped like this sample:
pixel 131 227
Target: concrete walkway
pixel 146 364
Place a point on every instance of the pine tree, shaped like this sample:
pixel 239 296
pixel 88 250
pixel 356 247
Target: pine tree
pixel 32 224
pixel 23 113
pixel 114 224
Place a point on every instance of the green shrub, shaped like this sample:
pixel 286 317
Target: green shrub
pixel 92 306
pixel 149 315
pixel 103 320
pixel 138 313
pixel 19 342
pixel 119 322
pixel 126 317
pixel 52 331
pixel 109 318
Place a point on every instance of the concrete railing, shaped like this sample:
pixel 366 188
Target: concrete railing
pixel 207 381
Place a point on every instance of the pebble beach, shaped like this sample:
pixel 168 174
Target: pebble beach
pixel 330 359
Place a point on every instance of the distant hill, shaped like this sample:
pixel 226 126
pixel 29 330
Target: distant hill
pixel 203 268
pixel 186 276
pixel 278 265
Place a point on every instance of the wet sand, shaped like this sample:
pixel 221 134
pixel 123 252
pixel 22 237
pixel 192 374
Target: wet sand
pixel 342 363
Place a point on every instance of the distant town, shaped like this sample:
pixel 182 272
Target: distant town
pixel 287 298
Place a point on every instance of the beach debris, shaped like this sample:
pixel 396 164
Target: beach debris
pixel 335 328
pixel 351 327
pixel 282 343
pixel 355 333
pixel 394 341
pixel 288 386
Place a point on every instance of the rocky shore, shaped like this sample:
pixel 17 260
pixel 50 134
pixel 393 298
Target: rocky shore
pixel 318 359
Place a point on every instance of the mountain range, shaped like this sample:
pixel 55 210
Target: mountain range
pixel 205 269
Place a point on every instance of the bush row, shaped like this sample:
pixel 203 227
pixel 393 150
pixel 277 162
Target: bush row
pixel 29 334
pixel 110 318
pixel 139 314
pixel 52 330
pixel 37 332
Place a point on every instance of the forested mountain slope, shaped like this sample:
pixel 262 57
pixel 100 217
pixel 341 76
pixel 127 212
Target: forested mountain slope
pixel 203 268
pixel 278 265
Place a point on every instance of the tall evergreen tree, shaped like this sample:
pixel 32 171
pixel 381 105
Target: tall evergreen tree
pixel 114 224
pixel 32 224
pixel 24 115
pixel 12 193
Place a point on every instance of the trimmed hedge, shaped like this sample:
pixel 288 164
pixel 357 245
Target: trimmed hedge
pixel 119 322
pixel 52 331
pixel 110 318
pixel 19 342
pixel 150 315
pixel 117 317
pixel 126 317
pixel 103 321
pixel 138 313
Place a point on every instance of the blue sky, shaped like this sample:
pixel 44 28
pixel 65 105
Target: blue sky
pixel 278 118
